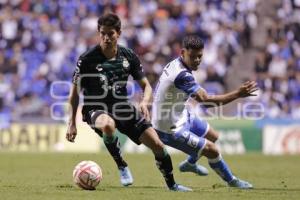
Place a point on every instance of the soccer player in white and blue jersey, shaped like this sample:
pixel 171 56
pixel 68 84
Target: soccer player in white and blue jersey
pixel 174 113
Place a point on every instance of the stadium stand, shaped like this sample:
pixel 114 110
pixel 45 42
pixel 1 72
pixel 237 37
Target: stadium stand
pixel 41 40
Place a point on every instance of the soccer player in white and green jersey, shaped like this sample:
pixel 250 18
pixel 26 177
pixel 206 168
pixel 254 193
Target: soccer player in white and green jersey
pixel 101 76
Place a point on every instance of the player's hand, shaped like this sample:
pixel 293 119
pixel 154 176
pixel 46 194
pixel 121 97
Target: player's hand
pixel 71 132
pixel 247 89
pixel 143 108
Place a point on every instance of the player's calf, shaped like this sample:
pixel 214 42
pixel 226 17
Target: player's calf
pixel 162 158
pixel 217 163
pixel 212 135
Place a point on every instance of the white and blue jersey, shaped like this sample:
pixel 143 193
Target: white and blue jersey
pixel 173 109
pixel 176 122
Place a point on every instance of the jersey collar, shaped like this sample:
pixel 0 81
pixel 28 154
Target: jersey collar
pixel 117 55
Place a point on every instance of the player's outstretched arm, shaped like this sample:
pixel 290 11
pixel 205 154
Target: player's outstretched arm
pixel 73 102
pixel 145 85
pixel 245 90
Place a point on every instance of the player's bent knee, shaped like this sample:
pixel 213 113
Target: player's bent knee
pixel 108 129
pixel 210 150
pixel 212 135
pixel 215 136
pixel 106 124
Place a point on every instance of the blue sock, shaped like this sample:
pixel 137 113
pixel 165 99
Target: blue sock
pixel 221 168
pixel 192 159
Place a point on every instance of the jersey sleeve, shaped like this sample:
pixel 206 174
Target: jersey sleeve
pixel 186 82
pixel 136 68
pixel 77 72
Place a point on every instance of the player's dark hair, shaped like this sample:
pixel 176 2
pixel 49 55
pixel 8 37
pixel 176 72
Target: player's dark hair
pixel 192 42
pixel 110 19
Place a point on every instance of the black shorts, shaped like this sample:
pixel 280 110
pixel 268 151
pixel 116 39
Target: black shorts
pixel 128 120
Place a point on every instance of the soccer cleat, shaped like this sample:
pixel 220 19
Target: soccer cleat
pixel 238 183
pixel 125 176
pixel 185 166
pixel 180 188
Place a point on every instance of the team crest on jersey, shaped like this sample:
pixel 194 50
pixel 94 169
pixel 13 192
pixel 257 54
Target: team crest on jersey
pixel 99 67
pixel 125 64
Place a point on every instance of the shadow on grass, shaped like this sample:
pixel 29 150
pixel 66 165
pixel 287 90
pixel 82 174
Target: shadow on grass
pixel 135 187
pixel 218 185
pixel 215 186
pixel 103 188
pixel 9 186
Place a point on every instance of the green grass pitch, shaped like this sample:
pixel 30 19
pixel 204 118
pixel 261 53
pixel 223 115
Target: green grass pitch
pixel 45 176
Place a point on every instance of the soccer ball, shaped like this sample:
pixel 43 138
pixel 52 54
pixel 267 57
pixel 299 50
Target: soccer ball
pixel 87 175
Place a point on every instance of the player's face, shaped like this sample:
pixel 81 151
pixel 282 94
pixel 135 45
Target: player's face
pixel 108 37
pixel 192 57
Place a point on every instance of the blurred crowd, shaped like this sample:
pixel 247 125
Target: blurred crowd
pixel 42 39
pixel 277 66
